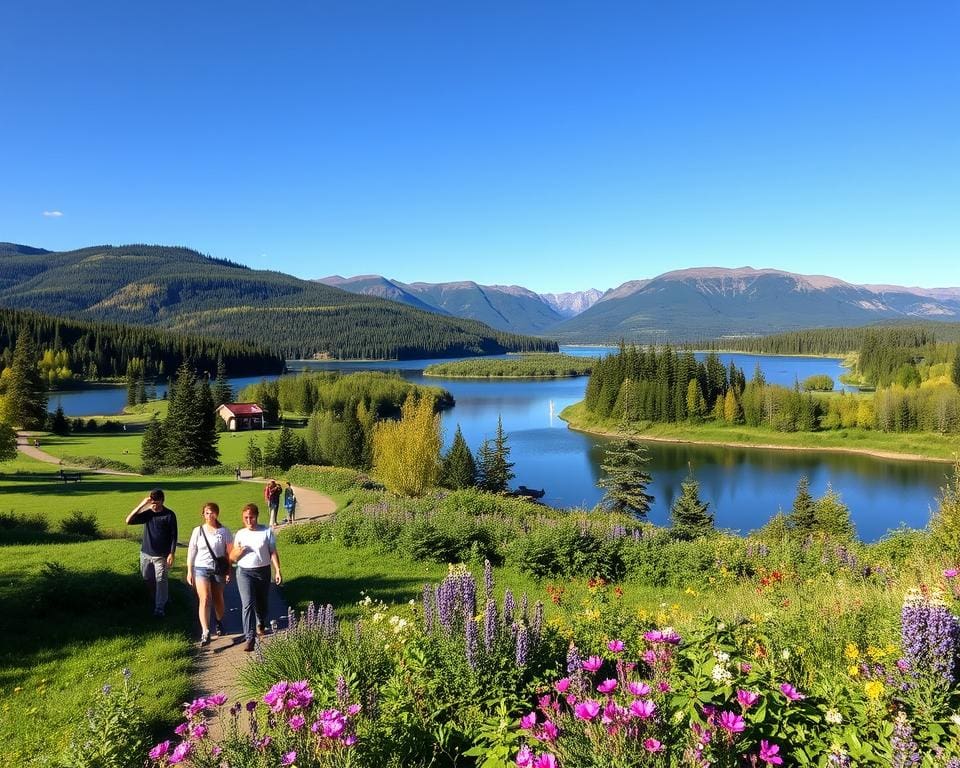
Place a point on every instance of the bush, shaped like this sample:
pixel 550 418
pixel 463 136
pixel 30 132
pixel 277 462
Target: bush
pixel 32 521
pixel 98 462
pixel 79 523
pixel 113 734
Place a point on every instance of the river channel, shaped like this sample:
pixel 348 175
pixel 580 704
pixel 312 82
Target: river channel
pixel 744 486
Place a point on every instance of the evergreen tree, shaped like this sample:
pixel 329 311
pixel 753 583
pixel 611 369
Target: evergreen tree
pixel 626 479
pixel 803 517
pixel 689 515
pixel 494 468
pixel 190 427
pixel 833 516
pixel 23 386
pixel 8 436
pixel 270 451
pixel 58 422
pixel 222 391
pixel 955 368
pixel 208 452
pixel 459 469
pixel 153 449
pixel 288 449
pixel 254 456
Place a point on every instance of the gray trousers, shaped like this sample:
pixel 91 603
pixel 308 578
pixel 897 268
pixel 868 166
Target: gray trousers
pixel 155 570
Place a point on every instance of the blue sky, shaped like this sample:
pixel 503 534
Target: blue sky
pixel 556 145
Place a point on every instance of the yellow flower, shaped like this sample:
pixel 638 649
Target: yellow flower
pixel 854 670
pixel 851 652
pixel 690 591
pixel 17 689
pixel 875 653
pixel 873 689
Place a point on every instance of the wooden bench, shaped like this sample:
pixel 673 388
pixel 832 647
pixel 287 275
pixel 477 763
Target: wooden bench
pixel 70 476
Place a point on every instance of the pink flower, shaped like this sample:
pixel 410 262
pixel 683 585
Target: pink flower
pixel 562 684
pixel 528 721
pixel 790 692
pixel 546 760
pixel 732 722
pixel 593 664
pixel 663 686
pixel 587 710
pixel 745 667
pixel 747 698
pixel 652 745
pixel 769 753
pixel 288 759
pixel 199 731
pixel 638 689
pixel 607 686
pixel 667 636
pixel 950 573
pixel 642 708
pixel 615 646
pixel 349 740
pixel 160 750
pixel 181 753
pixel 354 709
pixel 524 757
pixel 182 729
pixel 548 731
pixel 217 700
pixel 297 722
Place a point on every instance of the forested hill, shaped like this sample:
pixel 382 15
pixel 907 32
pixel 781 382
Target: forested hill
pixel 93 351
pixel 181 289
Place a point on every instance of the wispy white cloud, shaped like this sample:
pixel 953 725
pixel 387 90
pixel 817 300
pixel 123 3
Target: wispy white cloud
pixel 53 214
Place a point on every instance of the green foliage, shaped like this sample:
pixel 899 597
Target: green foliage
pixel 406 453
pixel 8 437
pixel 833 516
pixel 83 524
pixel 525 366
pixel 459 469
pixel 688 515
pixel 57 422
pixel 114 733
pixel 493 465
pixel 945 524
pixel 819 382
pixel 626 479
pixel 24 392
pixel 189 430
pixel 803 515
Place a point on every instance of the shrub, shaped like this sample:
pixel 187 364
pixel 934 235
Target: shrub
pixel 113 734
pixel 79 523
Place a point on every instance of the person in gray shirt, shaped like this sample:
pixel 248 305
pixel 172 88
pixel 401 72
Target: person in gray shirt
pixel 159 545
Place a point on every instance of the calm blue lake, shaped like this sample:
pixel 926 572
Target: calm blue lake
pixel 744 486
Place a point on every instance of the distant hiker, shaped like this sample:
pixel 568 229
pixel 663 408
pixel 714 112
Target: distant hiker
pixel 289 502
pixel 271 495
pixel 159 545
pixel 254 551
pixel 238 471
pixel 208 567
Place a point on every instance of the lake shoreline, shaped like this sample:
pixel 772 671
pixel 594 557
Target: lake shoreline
pixel 876 453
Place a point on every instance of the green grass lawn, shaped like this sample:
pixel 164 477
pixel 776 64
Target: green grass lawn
pixel 75 615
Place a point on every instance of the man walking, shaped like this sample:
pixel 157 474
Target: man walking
pixel 159 545
pixel 271 495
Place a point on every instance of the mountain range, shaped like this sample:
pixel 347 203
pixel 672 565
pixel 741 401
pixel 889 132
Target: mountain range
pixel 686 304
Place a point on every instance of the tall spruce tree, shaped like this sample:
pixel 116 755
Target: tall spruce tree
pixel 153 449
pixel 23 387
pixel 289 448
pixel 494 468
pixel 190 427
pixel 208 453
pixel 58 422
pixel 626 480
pixel 689 516
pixel 803 518
pixel 459 469
pixel 222 391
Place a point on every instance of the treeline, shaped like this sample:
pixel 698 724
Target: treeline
pixel 75 349
pixel 524 366
pixel 662 385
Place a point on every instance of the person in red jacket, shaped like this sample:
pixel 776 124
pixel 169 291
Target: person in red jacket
pixel 271 495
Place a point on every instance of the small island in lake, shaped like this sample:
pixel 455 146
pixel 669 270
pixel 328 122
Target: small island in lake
pixel 533 366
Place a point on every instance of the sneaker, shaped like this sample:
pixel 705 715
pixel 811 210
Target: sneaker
pixel 205 638
pixel 251 644
pixel 220 632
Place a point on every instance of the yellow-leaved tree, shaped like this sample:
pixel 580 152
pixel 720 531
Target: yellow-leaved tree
pixel 406 453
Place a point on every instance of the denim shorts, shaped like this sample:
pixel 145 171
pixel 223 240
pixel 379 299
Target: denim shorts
pixel 208 574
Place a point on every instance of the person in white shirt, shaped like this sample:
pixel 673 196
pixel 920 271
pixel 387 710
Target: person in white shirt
pixel 254 551
pixel 209 543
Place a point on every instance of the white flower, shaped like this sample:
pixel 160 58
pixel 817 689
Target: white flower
pixel 377 618
pixel 722 657
pixel 785 654
pixel 721 674
pixel 955 719
pixel 832 716
pixel 721 626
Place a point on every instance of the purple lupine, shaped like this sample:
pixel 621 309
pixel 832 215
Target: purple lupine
pixel 329 621
pixel 487 579
pixel 509 606
pixel 470 646
pixel 574 660
pixel 903 748
pixel 311 614
pixel 468 596
pixel 445 600
pixel 342 692
pixel 537 626
pixel 291 619
pixel 929 636
pixel 490 624
pixel 429 600
pixel 524 609
pixel 523 645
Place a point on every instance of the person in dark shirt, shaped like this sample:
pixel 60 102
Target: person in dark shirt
pixel 159 545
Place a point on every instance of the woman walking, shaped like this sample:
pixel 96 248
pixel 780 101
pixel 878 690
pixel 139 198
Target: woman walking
pixel 254 551
pixel 289 503
pixel 208 569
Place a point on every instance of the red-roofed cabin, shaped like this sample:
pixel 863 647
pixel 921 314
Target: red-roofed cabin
pixel 240 416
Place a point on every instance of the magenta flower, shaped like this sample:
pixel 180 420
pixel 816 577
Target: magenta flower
pixel 587 710
pixel 528 721
pixel 642 708
pixel 181 753
pixel 732 722
pixel 667 636
pixel 593 664
pixel 652 745
pixel 769 753
pixel 524 757
pixel 160 750
pixel 288 759
pixel 548 731
pixel 217 700
pixel 950 573
pixel 353 710
pixel 182 729
pixel 349 740
pixel 199 731
pixel 745 667
pixel 638 689
pixel 562 684
pixel 607 686
pixel 297 722
pixel 615 646
pixel 546 760
pixel 650 657
pixel 790 692
pixel 663 686
pixel 216 751
pixel 747 698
